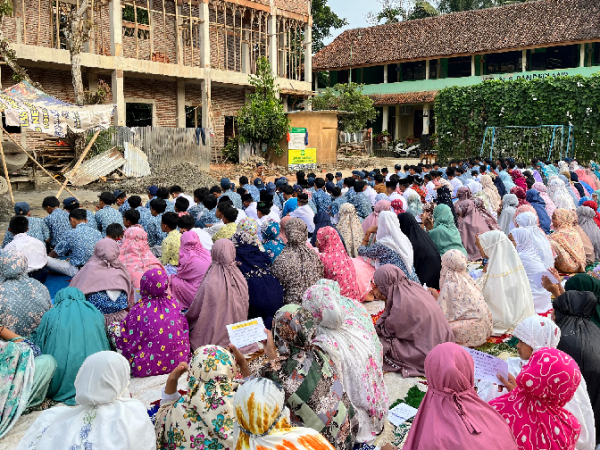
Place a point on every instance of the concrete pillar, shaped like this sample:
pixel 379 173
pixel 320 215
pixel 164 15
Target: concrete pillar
pixel 116 28
pixel 284 100
pixel 272 30
pixel 581 55
pixel 425 118
pixel 523 60
pixel 385 117
pixel 204 35
pixel 427 70
pixel 180 103
pixel 472 65
pixel 385 73
pixel 308 72
pixel 118 92
pixel 245 52
pixel 178 42
pixel 281 54
pixel 397 124
pixel 92 82
pixel 206 86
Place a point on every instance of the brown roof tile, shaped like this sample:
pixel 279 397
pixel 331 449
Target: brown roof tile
pixel 409 98
pixel 530 24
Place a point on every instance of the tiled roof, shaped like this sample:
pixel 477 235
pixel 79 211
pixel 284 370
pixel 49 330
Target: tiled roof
pixel 529 24
pixel 404 99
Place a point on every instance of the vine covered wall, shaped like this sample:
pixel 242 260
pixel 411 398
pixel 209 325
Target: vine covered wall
pixel 463 113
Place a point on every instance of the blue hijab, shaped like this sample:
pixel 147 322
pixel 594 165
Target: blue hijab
pixel 538 203
pixel 265 293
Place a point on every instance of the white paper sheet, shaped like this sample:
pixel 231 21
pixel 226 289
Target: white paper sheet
pixel 297 141
pixel 401 413
pixel 247 332
pixel 488 366
pixel 537 278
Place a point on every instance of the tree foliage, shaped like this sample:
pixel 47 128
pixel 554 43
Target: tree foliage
pixel 324 20
pixel 262 120
pixel 463 113
pixel 394 11
pixel 450 6
pixel 350 99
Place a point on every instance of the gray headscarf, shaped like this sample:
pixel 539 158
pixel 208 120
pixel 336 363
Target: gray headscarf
pixel 586 215
pixel 510 202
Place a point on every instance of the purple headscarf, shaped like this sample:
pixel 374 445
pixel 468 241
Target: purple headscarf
pixel 154 336
pixel 194 261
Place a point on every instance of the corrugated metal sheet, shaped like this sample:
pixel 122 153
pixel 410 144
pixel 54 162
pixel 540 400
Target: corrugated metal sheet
pixel 137 162
pixel 97 167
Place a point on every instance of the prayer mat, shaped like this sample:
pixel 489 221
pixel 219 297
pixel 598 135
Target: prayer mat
pixel 55 283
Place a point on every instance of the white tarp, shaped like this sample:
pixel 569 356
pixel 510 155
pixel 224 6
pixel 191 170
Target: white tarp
pixel 27 106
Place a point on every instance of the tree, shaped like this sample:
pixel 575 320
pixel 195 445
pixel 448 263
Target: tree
pixel 324 20
pixel 394 11
pixel 422 10
pixel 450 6
pixel 262 120
pixel 77 33
pixel 349 99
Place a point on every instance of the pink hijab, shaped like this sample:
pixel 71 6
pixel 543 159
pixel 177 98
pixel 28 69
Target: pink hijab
pixel 534 410
pixel 338 265
pixel 221 300
pixel 136 254
pixel 381 205
pixel 282 235
pixel 194 261
pixel 104 271
pixel 411 325
pixel 452 415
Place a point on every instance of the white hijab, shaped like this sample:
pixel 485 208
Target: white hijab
pixel 510 203
pixel 390 235
pixel 104 418
pixel 475 187
pixel 505 285
pixel 533 265
pixel 559 194
pixel 539 332
pixel 540 241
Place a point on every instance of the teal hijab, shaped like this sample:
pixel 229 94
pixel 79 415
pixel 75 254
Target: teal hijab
pixel 445 235
pixel 71 331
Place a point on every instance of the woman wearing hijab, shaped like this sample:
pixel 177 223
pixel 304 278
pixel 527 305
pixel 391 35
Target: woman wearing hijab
pixel 265 293
pixel 105 415
pixel 444 197
pixel 510 203
pixel 135 254
pixel 350 229
pixel 462 302
pixel 583 282
pixel 154 337
pixel 518 179
pixel 221 300
pixel 471 223
pixel 534 198
pixel 427 260
pixel 314 391
pixel 382 205
pixel 521 195
pixel 567 244
pixel 550 206
pixel 282 225
pixel 577 185
pixel 272 243
pixel 106 282
pixel 204 416
pixel 411 325
pixel 504 284
pixel 506 180
pixel 415 206
pixel 590 256
pixel 71 331
pixel 540 240
pixel 194 261
pixel 337 265
pixel 297 267
pixel 491 192
pixel 533 266
pixel 23 300
pixel 477 192
pixel 250 226
pixel 534 333
pixel 559 194
pixel 321 220
pixel 586 217
pixel 443 231
pixel 354 356
pixel 275 431
pixel 534 407
pixel 392 246
pixel 581 340
pixel 592 204
pixel 451 414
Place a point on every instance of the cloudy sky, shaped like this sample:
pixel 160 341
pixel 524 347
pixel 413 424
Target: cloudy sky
pixel 353 11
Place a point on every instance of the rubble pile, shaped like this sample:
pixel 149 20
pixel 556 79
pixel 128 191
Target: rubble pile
pixel 6 209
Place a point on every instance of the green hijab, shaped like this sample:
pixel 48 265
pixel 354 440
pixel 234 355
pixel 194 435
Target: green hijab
pixel 70 331
pixel 582 282
pixel 445 235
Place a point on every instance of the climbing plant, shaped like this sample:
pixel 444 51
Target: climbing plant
pixel 463 113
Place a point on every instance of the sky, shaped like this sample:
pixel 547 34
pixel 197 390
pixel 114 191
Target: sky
pixel 353 11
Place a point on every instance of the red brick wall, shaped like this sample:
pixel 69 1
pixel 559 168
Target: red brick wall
pixel 297 6
pixel 225 102
pixel 164 94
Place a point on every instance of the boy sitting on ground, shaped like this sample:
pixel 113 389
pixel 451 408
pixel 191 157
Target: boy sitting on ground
pixel 32 248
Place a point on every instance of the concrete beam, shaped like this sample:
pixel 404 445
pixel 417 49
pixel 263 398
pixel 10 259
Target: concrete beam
pixel 272 36
pixel 116 28
pixel 204 35
pixel 180 103
pixel 206 94
pixel 308 72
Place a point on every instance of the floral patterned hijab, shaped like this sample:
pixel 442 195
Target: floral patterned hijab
pixel 204 417
pixel 351 229
pixel 250 226
pixel 272 243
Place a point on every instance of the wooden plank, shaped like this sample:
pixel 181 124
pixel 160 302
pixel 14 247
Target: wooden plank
pixel 137 49
pixel 83 155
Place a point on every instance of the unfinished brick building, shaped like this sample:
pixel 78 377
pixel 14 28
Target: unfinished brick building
pixel 169 64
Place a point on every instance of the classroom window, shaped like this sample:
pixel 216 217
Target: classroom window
pixel 138 115
pixel 413 71
pixel 507 62
pixel 459 67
